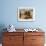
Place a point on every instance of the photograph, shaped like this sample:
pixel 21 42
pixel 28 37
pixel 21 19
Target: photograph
pixel 26 14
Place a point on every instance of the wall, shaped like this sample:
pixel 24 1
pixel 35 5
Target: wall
pixel 9 13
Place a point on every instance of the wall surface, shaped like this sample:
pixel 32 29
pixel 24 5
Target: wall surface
pixel 9 13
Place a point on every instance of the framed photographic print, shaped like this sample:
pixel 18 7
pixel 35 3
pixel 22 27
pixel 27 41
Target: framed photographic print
pixel 26 14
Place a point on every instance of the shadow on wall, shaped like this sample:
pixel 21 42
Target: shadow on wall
pixel 2 26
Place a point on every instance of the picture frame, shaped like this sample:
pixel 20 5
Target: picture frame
pixel 26 14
